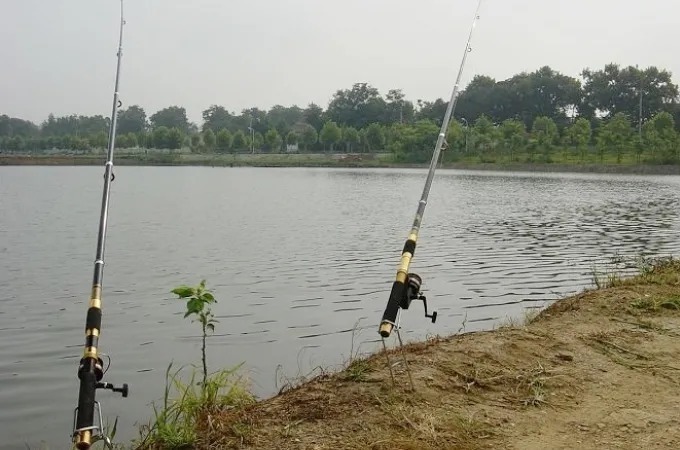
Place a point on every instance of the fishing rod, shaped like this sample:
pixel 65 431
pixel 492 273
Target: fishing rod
pixel 406 287
pixel 90 369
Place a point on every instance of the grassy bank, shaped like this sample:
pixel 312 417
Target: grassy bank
pixel 596 370
pixel 324 160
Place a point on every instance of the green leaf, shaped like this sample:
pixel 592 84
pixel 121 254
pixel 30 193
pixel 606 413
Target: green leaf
pixel 208 296
pixel 183 291
pixel 194 306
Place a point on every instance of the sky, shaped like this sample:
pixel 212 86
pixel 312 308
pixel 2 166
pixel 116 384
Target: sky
pixel 59 56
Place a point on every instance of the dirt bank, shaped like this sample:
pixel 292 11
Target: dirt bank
pixel 596 371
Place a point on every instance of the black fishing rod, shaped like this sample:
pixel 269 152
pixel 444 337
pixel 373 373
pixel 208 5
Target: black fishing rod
pixel 406 287
pixel 90 370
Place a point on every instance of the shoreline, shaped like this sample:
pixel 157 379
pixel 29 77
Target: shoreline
pixel 594 370
pixel 327 161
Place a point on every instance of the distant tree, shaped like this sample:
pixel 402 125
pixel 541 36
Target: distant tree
pixel 171 117
pixel 578 136
pixel 292 138
pixel 313 115
pixel 615 89
pixel 308 136
pixel 659 134
pixel 546 134
pixel 330 134
pixel 223 140
pixel 616 134
pixel 514 136
pixel 350 136
pixel 216 118
pixel 273 140
pixel 132 120
pixel 375 137
pixel 209 139
pixel 175 138
pixel 239 141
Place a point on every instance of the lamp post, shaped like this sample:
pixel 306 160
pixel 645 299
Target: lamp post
pixel 252 135
pixel 466 133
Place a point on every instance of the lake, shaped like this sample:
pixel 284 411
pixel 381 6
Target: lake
pixel 300 260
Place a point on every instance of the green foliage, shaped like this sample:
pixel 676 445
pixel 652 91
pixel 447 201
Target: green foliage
pixel 223 140
pixel 176 422
pixel 578 136
pixel 370 121
pixel 239 142
pixel 330 134
pixel 375 137
pixel 132 120
pixel 198 299
pixel 292 138
pixel 350 136
pixel 171 117
pixel 308 137
pixel 615 134
pixel 273 140
pixel 209 139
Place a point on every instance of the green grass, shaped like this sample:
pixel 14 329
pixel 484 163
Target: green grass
pixel 185 404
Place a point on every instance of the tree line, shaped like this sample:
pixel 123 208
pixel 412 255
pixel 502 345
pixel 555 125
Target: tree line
pixel 617 110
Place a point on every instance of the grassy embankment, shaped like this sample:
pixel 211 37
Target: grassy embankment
pixel 596 370
pixel 558 162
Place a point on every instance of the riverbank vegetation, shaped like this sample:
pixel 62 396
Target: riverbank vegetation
pixel 597 369
pixel 610 116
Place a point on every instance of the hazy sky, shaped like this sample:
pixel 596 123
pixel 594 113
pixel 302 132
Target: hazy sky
pixel 58 56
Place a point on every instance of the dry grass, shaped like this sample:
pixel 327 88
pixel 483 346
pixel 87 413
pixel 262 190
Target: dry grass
pixel 520 386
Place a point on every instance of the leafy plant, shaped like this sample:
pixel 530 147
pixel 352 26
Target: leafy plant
pixel 198 299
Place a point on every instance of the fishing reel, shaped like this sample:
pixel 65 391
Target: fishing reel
pixel 94 430
pixel 413 283
pixel 99 374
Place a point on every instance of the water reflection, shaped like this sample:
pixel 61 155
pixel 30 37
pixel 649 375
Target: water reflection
pixel 301 261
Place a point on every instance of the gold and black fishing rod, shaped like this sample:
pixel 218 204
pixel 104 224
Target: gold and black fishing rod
pixel 86 430
pixel 406 287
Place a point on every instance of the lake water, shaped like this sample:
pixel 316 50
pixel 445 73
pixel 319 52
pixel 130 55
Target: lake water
pixel 297 259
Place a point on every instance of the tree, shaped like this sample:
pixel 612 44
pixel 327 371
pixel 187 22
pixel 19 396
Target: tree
pixel 223 140
pixel 174 138
pixel 659 134
pixel 308 136
pixel 283 119
pixel 273 140
pixel 357 107
pixel 546 134
pixel 615 90
pixel 330 134
pixel 239 141
pixel 375 137
pixel 484 135
pixel 292 138
pixel 313 115
pixel 397 109
pixel 514 135
pixel 615 134
pixel 132 120
pixel 171 117
pixel 160 137
pixel 578 136
pixel 414 143
pixel 209 139
pixel 350 136
pixel 216 118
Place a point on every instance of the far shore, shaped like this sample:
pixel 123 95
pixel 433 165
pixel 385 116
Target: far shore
pixel 323 160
